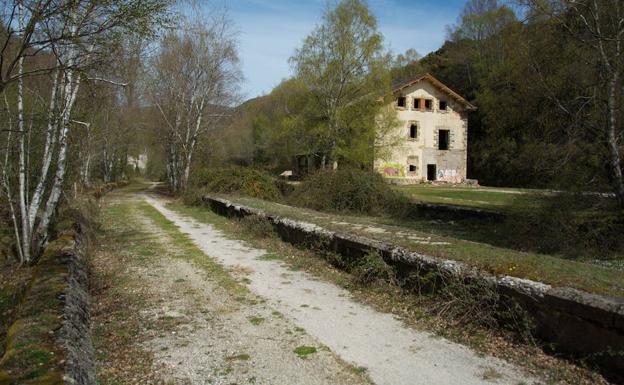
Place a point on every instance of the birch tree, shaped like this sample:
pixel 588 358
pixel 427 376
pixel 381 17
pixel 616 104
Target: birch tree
pixel 346 70
pixel 195 79
pixel 72 36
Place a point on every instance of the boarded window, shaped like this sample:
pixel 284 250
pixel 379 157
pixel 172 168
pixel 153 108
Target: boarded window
pixel 428 104
pixel 413 133
pixel 443 105
pixel 444 139
pixel 401 102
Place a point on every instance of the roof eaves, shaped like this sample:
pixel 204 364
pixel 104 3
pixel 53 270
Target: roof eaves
pixel 439 84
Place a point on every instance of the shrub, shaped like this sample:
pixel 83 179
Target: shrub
pixel 233 180
pixel 372 269
pixel 258 227
pixel 350 190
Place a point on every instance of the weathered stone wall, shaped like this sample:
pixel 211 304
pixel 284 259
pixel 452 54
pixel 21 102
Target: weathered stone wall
pixel 50 341
pixel 581 325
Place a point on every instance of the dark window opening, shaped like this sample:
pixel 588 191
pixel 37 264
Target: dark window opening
pixel 443 140
pixel 428 104
pixel 401 102
pixel 412 168
pixel 443 105
pixel 431 172
pixel 417 104
pixel 414 131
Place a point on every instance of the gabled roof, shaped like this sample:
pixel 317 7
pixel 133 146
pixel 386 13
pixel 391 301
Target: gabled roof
pixel 441 86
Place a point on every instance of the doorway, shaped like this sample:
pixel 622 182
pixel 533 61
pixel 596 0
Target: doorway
pixel 431 172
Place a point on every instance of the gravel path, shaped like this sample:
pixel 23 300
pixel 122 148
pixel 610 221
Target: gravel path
pixel 391 353
pixel 202 333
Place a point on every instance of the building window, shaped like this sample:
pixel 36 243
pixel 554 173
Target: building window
pixel 416 104
pixel 412 165
pixel 428 104
pixel 401 102
pixel 413 131
pixel 444 139
pixel 443 105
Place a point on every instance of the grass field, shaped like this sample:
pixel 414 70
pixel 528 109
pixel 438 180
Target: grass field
pixel 454 245
pixel 500 199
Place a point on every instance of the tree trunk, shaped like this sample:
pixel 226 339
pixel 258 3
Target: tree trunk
pixel 47 156
pixel 23 204
pixel 71 87
pixel 615 162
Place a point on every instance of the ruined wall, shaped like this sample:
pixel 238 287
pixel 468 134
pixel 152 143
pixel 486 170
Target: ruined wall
pixel 579 324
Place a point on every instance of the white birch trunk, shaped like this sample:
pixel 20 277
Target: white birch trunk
pixel 22 182
pixel 71 87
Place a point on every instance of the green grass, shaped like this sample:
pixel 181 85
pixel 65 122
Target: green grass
pixel 480 197
pixel 256 320
pixel 304 351
pixel 188 250
pixel 550 269
pixel 239 357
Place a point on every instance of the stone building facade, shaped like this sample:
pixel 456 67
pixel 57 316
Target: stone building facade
pixel 431 142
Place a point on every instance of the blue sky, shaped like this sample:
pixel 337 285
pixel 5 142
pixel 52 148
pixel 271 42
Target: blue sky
pixel 271 30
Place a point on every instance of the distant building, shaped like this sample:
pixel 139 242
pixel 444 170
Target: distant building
pixel 432 139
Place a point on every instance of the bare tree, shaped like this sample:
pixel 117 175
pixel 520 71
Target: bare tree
pixel 194 80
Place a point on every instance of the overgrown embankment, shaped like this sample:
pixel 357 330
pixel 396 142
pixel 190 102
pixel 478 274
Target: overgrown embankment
pixel 49 341
pixel 45 331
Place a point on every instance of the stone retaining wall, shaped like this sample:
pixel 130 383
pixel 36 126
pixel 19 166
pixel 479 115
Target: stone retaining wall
pixel 581 325
pixel 50 341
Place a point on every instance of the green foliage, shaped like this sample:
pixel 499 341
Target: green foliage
pixel 350 190
pixel 533 83
pixel 232 180
pixel 345 70
pixel 574 225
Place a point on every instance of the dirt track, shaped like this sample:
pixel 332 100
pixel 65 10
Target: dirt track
pixel 391 353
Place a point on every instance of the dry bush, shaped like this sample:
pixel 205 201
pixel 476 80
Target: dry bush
pixel 349 190
pixel 233 180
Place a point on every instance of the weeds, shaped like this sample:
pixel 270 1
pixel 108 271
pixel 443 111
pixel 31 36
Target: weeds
pixel 258 226
pixel 304 351
pixel 372 269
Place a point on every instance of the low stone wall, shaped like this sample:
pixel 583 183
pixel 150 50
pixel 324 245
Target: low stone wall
pixel 50 341
pixel 581 325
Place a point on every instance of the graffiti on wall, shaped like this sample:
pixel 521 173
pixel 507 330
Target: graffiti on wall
pixel 452 176
pixel 393 171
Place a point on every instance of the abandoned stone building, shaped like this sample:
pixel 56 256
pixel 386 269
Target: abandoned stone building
pixel 430 144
